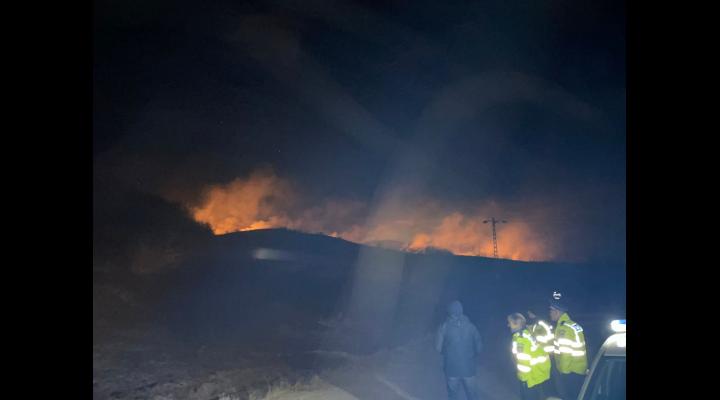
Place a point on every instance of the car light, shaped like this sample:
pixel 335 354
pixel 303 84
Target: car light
pixel 618 325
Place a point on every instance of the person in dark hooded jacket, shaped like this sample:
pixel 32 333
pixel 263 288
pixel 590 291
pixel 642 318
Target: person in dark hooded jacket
pixel 458 340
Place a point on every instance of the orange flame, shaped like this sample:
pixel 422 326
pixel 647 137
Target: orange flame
pixel 468 236
pixel 265 201
pixel 243 205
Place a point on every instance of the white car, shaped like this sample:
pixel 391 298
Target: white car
pixel 606 379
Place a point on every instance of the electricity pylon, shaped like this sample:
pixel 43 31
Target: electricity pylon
pixel 494 221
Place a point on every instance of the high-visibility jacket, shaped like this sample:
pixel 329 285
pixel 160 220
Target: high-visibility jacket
pixel 570 352
pixel 533 364
pixel 543 333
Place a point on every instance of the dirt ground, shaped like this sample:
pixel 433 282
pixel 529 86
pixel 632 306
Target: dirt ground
pixel 150 363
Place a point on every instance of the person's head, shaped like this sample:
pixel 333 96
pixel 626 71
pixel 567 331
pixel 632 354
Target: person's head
pixel 455 309
pixel 557 309
pixel 516 321
pixel 534 311
pixel 555 314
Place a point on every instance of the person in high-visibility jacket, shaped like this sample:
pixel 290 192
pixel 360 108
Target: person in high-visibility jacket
pixel 533 363
pixel 541 330
pixel 543 333
pixel 570 356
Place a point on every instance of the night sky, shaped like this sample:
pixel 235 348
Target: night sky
pixel 368 121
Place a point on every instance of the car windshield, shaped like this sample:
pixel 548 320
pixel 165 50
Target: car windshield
pixel 608 380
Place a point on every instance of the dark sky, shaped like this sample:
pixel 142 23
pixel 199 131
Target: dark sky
pixel 518 102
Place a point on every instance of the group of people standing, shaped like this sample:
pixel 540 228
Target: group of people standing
pixel 550 361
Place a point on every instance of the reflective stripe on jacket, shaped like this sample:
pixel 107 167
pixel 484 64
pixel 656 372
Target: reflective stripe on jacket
pixel 543 333
pixel 533 363
pixel 570 352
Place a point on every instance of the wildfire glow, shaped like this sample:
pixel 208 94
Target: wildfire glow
pixel 468 236
pixel 265 201
pixel 243 205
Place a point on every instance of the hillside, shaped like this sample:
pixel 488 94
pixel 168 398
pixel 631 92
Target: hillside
pixel 277 297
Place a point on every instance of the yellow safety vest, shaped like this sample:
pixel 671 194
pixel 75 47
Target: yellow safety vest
pixel 533 364
pixel 570 352
pixel 543 333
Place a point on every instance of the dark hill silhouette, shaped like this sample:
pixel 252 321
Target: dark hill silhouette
pixel 250 284
pixel 289 294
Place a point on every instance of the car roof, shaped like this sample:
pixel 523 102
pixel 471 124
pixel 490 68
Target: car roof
pixel 615 345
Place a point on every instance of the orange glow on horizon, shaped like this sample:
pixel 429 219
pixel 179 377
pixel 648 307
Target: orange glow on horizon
pixel 264 201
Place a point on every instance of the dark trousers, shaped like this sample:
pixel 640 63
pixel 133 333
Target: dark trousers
pixel 456 385
pixel 568 385
pixel 537 392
